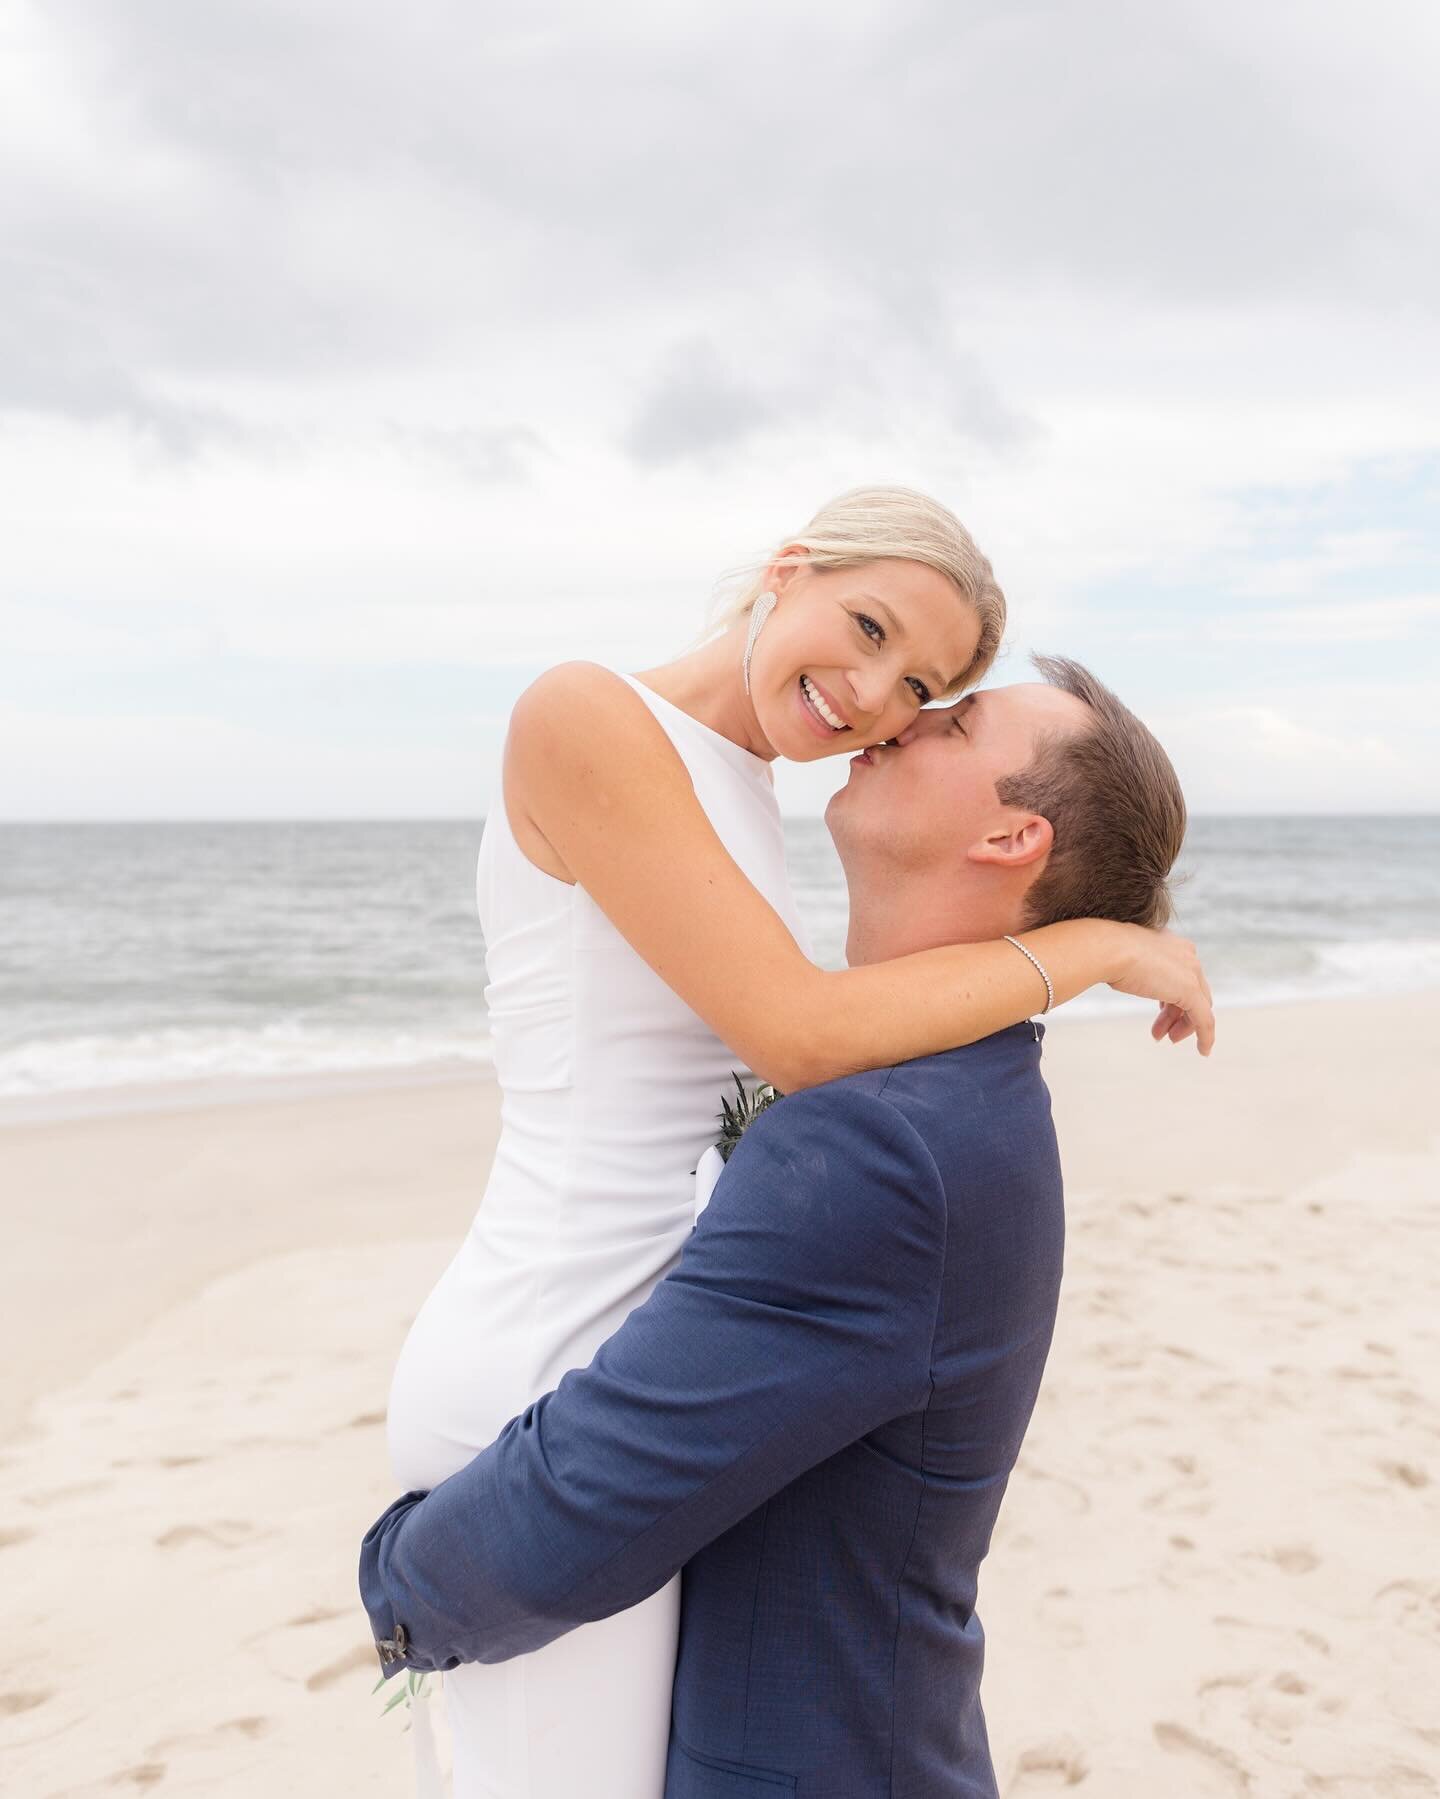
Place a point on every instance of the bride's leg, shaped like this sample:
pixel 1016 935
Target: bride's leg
pixel 588 1714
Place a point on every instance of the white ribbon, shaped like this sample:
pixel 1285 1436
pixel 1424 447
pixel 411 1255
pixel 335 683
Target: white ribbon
pixel 712 1166
pixel 431 1780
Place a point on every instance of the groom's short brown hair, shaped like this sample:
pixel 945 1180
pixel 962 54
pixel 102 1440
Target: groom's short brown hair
pixel 1114 804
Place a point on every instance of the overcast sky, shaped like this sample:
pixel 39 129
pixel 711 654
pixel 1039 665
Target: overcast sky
pixel 357 362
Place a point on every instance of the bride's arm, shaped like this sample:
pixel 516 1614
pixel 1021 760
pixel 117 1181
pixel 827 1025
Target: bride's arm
pixel 591 770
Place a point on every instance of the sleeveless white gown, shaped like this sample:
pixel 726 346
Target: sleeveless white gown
pixel 611 1087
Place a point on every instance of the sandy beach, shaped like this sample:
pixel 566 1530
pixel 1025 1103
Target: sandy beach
pixel 1216 1571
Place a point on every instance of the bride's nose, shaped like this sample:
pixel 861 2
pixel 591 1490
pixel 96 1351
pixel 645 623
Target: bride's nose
pixel 870 689
pixel 919 723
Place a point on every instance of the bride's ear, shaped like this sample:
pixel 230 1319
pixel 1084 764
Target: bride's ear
pixel 780 574
pixel 1026 841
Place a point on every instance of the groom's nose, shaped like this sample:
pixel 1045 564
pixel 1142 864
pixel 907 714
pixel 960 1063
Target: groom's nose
pixel 927 719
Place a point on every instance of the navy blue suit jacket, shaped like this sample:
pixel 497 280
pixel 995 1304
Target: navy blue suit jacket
pixel 815 1415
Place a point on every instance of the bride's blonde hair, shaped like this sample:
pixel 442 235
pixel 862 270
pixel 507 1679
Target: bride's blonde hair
pixel 863 525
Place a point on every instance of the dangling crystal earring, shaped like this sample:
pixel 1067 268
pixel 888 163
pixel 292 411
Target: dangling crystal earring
pixel 759 612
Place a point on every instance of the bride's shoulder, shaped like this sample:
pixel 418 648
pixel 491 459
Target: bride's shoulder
pixel 572 694
pixel 574 680
pixel 584 711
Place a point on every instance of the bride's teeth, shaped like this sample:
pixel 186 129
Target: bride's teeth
pixel 813 695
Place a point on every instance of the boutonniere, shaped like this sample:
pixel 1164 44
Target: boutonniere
pixel 736 1118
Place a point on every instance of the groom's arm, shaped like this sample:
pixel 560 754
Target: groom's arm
pixel 799 1317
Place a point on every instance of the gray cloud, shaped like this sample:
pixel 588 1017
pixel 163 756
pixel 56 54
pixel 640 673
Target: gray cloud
pixel 285 194
pixel 489 458
pixel 55 359
pixel 803 359
pixel 698 406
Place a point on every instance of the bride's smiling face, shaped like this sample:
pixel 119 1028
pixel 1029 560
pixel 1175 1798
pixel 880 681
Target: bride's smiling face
pixel 848 656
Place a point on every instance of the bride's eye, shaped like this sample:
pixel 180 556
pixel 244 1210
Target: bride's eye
pixel 922 692
pixel 869 626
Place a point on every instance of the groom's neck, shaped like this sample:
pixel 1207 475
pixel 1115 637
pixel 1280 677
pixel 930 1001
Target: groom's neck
pixel 900 916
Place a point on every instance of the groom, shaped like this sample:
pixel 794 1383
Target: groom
pixel 816 1412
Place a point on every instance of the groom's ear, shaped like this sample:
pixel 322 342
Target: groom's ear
pixel 1025 839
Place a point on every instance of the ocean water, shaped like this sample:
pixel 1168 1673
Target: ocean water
pixel 134 953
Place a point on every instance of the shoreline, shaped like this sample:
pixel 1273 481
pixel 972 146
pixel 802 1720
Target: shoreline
pixel 188 1091
pixel 63 1104
pixel 335 1159
pixel 191 1092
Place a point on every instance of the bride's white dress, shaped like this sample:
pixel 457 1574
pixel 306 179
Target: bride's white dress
pixel 611 1088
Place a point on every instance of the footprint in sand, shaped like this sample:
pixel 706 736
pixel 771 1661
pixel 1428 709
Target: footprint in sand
pixel 1245 1706
pixel 1411 1604
pixel 9 1538
pixel 1069 1495
pixel 1049 1768
pixel 247 1727
pixel 13 1703
pixel 1212 1770
pixel 1185 1497
pixel 226 1533
pixel 1406 1473
pixel 76 1490
pixel 1294 1559
pixel 1224 1683
pixel 319 1614
pixel 362 1656
pixel 1061 1618
pixel 143 1774
pixel 1393 1781
pixel 363 1420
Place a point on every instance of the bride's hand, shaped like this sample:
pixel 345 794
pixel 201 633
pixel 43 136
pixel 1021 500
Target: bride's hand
pixel 1162 966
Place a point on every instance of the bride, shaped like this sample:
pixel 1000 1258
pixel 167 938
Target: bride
pixel 641 941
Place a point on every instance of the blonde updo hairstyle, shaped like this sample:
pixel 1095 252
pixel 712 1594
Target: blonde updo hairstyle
pixel 865 524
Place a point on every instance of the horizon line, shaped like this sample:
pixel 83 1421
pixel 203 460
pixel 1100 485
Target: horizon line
pixel 438 818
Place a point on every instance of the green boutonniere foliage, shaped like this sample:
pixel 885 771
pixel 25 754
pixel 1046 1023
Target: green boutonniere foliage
pixel 736 1118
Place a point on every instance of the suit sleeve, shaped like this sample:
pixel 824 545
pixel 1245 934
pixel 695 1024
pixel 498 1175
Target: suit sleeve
pixel 800 1316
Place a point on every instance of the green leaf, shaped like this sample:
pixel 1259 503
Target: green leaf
pixel 737 1117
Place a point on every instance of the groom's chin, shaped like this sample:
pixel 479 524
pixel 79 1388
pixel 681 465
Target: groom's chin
pixel 841 819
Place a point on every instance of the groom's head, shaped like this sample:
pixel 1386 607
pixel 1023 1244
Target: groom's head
pixel 1009 809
